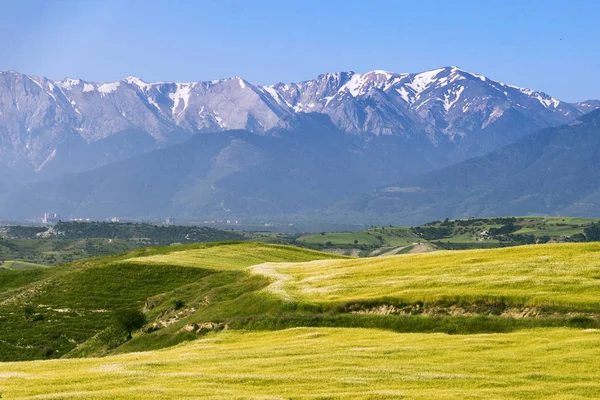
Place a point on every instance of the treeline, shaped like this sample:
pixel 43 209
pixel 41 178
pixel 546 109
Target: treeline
pixel 590 233
pixel 152 234
pixel 438 230
pixel 506 233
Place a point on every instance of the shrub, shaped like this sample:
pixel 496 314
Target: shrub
pixel 129 320
pixel 47 351
pixel 178 304
pixel 592 232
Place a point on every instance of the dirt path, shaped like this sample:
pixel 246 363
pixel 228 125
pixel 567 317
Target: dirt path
pixel 395 251
pixel 421 248
pixel 414 248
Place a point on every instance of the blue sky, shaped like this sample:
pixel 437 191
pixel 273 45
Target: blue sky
pixel 545 45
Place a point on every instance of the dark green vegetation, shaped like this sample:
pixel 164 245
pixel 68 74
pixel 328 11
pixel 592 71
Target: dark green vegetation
pixel 148 234
pixel 551 172
pixel 71 241
pixel 507 231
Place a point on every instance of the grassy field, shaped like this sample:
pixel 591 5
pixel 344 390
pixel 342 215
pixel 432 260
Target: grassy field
pixel 340 238
pixel 231 257
pixel 46 313
pixel 375 236
pixel 562 275
pixel 320 363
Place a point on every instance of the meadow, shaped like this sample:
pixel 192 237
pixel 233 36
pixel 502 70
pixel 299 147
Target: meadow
pixel 320 363
pixel 47 313
pixel 559 275
pixel 231 257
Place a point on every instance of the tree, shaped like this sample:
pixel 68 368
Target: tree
pixel 356 242
pixel 129 320
pixel 592 232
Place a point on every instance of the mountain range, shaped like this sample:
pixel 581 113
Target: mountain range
pixel 51 127
pixel 230 147
pixel 554 171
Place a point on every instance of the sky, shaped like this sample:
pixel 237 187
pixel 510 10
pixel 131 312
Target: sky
pixel 544 45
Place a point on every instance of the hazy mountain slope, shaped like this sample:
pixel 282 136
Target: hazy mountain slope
pixel 71 125
pixel 230 174
pixel 6 180
pixel 553 171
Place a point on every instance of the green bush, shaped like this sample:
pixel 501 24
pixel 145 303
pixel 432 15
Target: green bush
pixel 129 320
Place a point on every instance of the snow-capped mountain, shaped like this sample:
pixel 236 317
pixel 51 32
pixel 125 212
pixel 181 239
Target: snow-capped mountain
pixel 71 125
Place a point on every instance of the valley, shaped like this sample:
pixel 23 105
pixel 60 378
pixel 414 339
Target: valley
pixel 284 200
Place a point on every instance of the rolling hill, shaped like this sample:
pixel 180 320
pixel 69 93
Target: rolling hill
pixel 472 233
pixel 187 291
pixel 531 276
pixel 265 320
pixel 46 313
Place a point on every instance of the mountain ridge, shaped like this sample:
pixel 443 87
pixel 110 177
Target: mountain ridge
pixel 550 172
pixel 49 121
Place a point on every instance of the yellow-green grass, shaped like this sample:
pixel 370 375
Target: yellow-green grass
pixel 566 275
pixel 21 265
pixel 231 257
pixel 324 363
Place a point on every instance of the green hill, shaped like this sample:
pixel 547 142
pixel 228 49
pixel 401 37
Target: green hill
pixel 46 313
pixel 187 291
pixel 556 276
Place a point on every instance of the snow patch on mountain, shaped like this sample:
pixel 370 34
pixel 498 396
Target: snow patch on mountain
pixel 107 88
pixel 132 80
pixel 448 101
pixel 497 113
pixel 423 80
pixel 182 94
pixel 68 83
